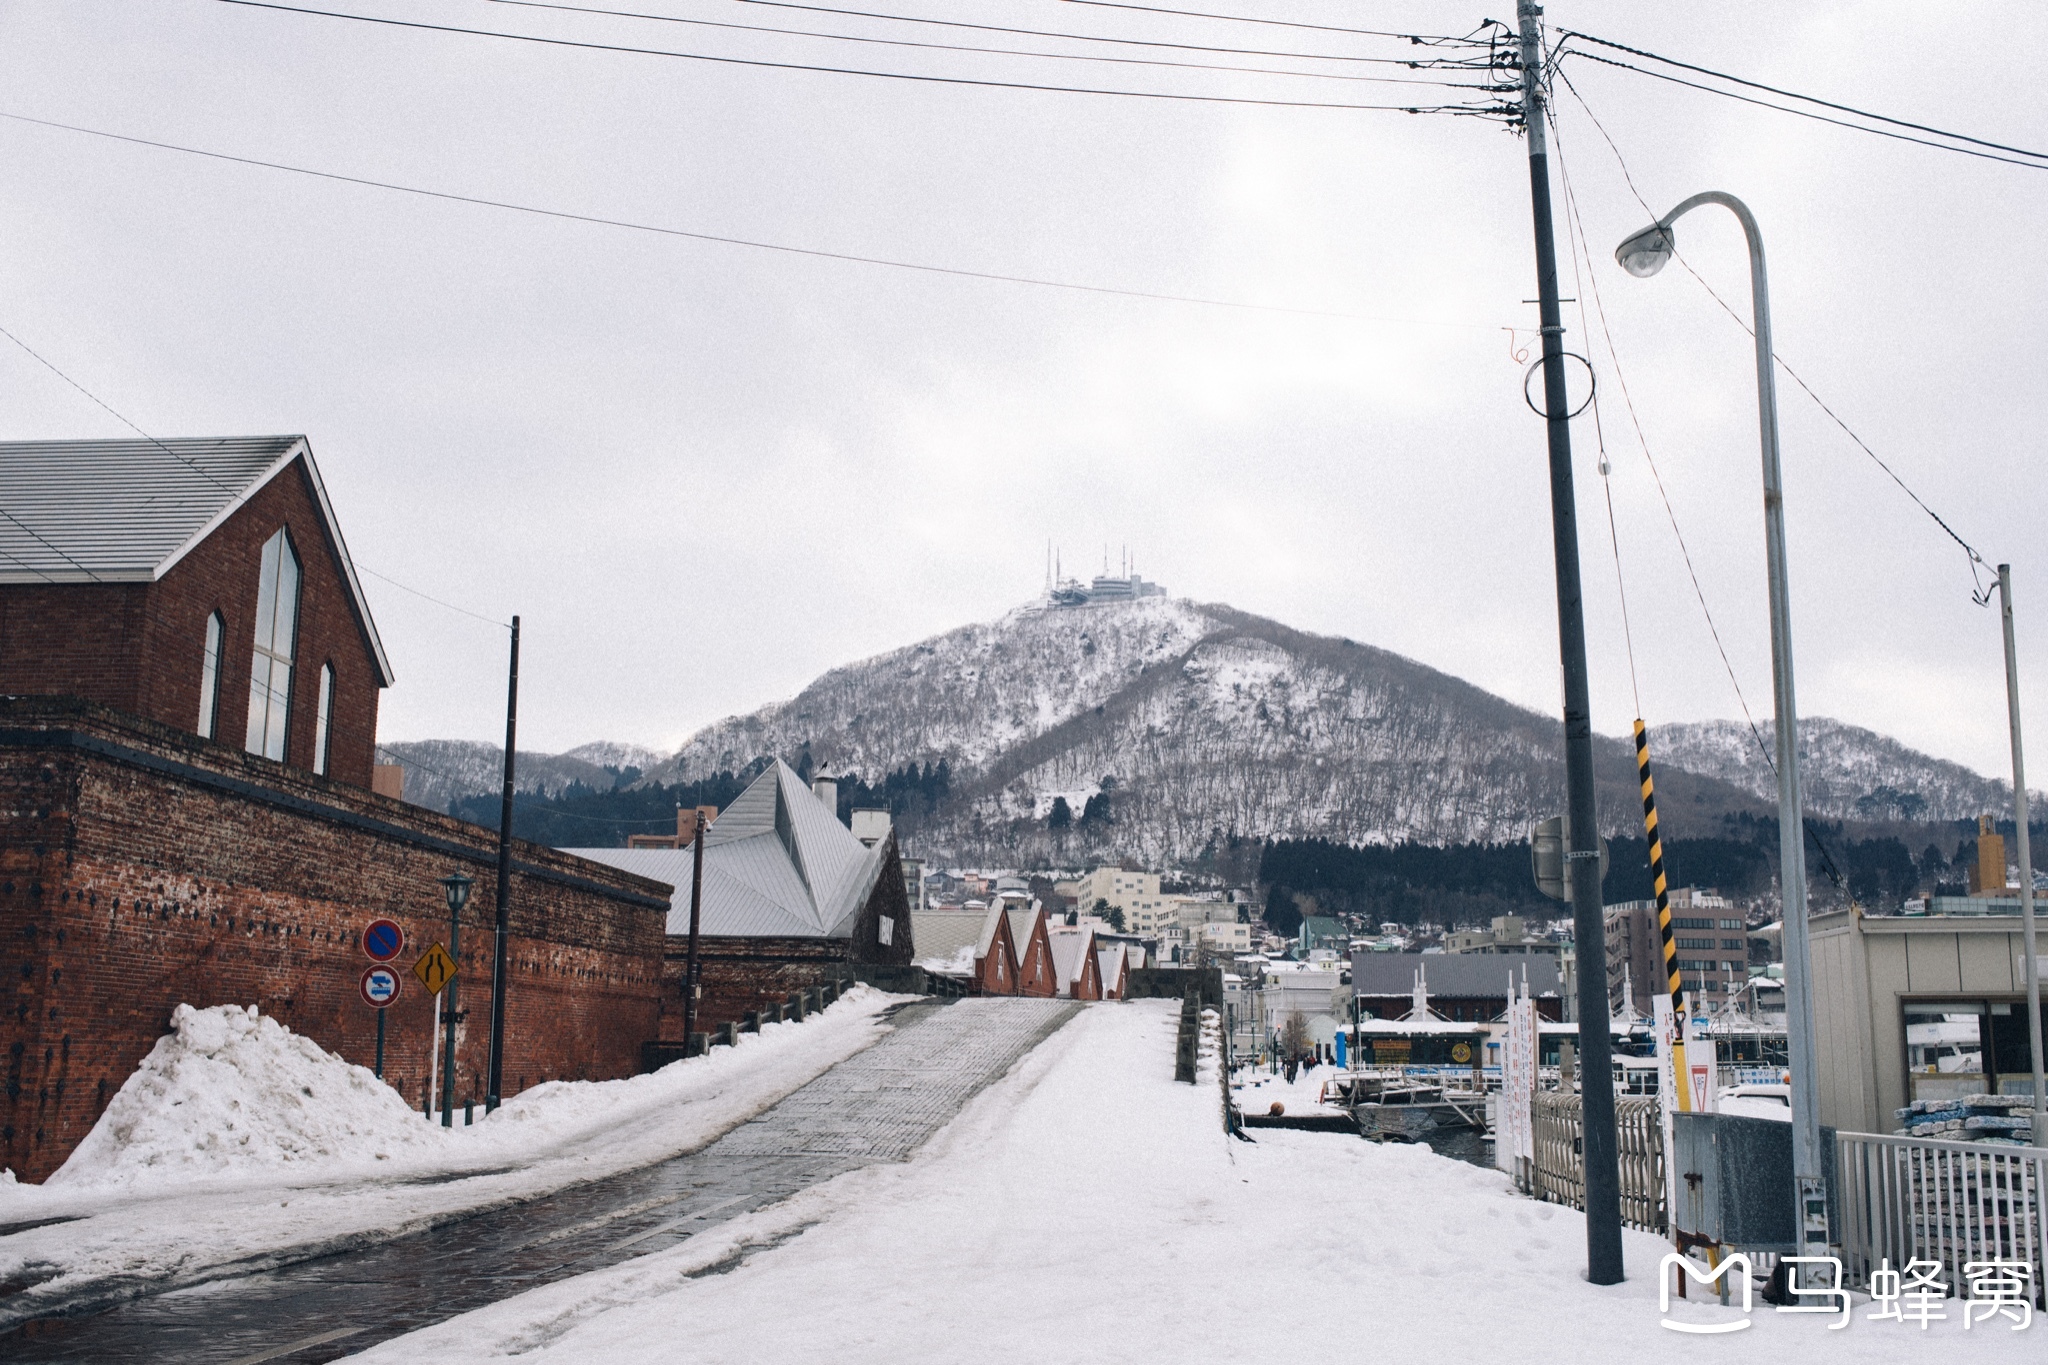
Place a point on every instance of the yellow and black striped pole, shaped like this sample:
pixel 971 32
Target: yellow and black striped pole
pixel 1672 981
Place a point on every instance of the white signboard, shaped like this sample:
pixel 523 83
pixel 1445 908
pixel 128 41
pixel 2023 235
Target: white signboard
pixel 1515 1135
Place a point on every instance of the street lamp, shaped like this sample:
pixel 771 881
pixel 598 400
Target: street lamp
pixel 457 886
pixel 1643 254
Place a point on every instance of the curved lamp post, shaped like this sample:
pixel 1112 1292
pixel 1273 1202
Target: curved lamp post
pixel 1643 255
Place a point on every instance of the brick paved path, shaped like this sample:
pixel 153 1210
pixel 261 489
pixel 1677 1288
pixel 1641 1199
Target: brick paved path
pixel 879 1105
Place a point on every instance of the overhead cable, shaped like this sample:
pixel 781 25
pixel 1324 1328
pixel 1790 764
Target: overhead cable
pixel 915 77
pixel 1107 39
pixel 566 215
pixel 1980 592
pixel 1793 94
pixel 988 51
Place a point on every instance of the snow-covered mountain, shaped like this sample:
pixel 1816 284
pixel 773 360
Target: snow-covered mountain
pixel 1846 772
pixel 438 771
pixel 1201 721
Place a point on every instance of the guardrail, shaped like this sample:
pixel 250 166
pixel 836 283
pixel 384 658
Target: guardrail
pixel 1907 1198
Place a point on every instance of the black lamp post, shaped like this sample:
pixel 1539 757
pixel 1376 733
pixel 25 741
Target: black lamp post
pixel 457 886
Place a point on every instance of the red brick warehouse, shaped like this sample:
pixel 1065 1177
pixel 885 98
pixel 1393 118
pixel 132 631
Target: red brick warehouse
pixel 184 808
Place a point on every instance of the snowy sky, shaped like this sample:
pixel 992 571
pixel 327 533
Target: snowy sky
pixel 705 473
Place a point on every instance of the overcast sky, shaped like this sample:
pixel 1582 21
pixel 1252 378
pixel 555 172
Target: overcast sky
pixel 703 474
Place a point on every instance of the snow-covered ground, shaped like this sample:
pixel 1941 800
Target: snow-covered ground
pixel 1257 1092
pixel 1086 1208
pixel 238 1145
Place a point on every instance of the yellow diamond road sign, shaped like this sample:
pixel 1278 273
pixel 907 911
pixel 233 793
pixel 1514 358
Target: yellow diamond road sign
pixel 434 969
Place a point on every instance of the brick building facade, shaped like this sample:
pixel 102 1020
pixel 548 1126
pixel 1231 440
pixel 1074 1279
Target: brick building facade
pixel 141 867
pixel 140 587
pixel 189 681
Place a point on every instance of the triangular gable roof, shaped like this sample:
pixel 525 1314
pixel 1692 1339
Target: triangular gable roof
pixel 776 864
pixel 1115 965
pixel 1072 950
pixel 993 925
pixel 127 511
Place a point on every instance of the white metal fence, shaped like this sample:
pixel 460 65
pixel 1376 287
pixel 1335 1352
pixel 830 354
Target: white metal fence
pixel 1558 1173
pixel 1906 1198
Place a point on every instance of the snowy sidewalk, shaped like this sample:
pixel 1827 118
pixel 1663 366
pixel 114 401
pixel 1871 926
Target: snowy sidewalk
pixel 237 1148
pixel 1086 1208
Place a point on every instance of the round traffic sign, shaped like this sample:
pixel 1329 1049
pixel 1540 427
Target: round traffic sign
pixel 383 940
pixel 379 986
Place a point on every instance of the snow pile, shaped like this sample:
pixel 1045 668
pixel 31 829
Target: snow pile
pixel 228 1090
pixel 238 1143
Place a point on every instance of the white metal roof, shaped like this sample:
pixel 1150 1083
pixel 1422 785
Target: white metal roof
pixel 127 511
pixel 1071 949
pixel 777 863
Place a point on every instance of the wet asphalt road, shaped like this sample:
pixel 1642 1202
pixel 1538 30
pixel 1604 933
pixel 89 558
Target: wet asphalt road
pixel 877 1106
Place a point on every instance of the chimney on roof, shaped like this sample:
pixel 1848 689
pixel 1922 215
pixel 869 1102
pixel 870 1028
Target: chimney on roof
pixel 870 825
pixel 827 790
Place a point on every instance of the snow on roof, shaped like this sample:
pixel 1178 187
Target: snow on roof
pixel 1070 949
pixel 127 511
pixel 776 863
pixel 939 934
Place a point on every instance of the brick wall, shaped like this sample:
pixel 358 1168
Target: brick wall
pixel 141 868
pixel 138 647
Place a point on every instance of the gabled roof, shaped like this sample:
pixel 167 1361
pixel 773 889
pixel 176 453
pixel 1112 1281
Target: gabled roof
pixel 1112 962
pixel 1022 925
pixel 1071 949
pixel 992 924
pixel 941 934
pixel 127 511
pixel 777 863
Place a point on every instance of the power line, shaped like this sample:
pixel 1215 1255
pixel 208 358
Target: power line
pixel 1802 113
pixel 930 79
pixel 1086 37
pixel 1980 593
pixel 1568 34
pixel 720 239
pixel 1274 23
pixel 989 51
pixel 195 467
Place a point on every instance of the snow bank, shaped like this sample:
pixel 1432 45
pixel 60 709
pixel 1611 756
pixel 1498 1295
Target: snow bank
pixel 240 1144
pixel 228 1090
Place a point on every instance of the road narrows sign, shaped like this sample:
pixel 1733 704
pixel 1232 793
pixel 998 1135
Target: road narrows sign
pixel 379 986
pixel 383 940
pixel 434 969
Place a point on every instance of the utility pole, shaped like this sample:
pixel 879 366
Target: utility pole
pixel 494 1086
pixel 696 908
pixel 1582 839
pixel 2026 855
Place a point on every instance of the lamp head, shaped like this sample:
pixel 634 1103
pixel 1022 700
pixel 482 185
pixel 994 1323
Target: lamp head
pixel 1644 254
pixel 457 886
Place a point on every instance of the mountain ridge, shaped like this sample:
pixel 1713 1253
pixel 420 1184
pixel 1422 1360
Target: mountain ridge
pixel 1206 724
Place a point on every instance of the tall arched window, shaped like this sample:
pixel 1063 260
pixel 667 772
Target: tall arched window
pixel 277 630
pixel 209 675
pixel 323 720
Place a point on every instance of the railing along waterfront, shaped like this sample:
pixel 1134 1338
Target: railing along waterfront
pixel 1907 1198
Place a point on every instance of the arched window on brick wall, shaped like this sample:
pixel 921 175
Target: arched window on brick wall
pixel 209 675
pixel 323 720
pixel 277 630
